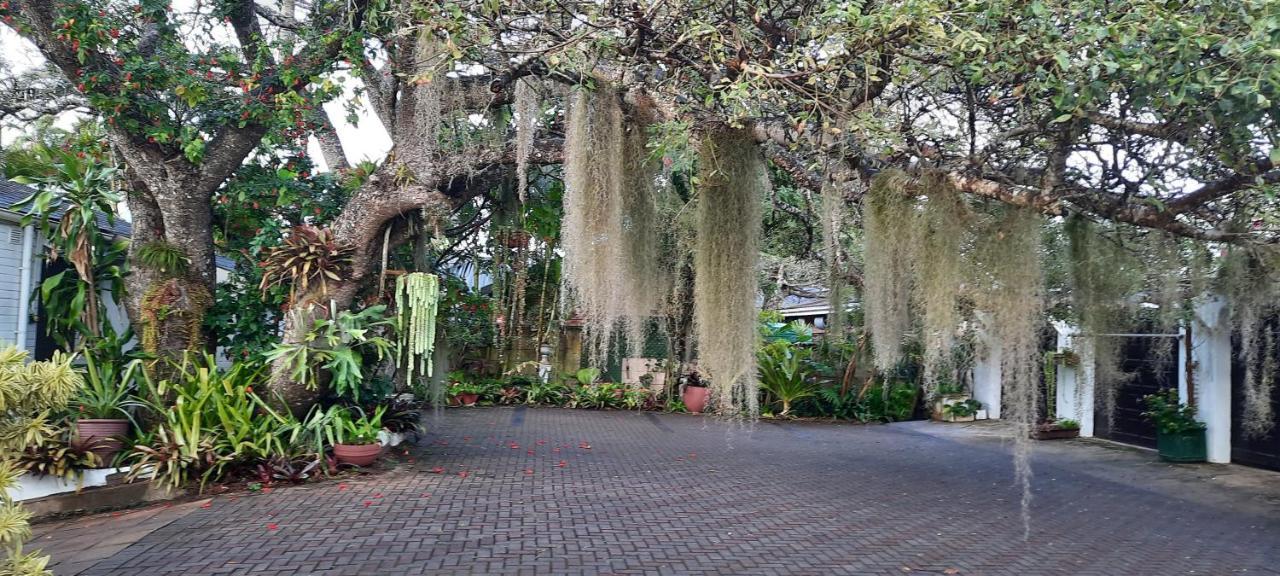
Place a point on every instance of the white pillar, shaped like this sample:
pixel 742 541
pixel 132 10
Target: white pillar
pixel 986 367
pixel 1211 354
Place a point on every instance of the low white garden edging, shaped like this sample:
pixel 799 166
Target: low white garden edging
pixel 31 487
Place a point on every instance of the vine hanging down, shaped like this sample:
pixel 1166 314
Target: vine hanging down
pixel 417 302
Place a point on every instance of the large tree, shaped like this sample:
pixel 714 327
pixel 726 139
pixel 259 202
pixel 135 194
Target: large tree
pixel 187 97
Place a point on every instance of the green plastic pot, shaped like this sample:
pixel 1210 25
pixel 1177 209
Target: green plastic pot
pixel 1182 446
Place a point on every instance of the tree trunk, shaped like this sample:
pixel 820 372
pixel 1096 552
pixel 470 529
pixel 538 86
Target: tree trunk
pixel 168 310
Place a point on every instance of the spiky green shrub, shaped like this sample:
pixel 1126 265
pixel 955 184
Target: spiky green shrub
pixel 785 373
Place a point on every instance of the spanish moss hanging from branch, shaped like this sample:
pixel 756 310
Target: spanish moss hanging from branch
pixel 888 217
pixel 593 215
pixel 939 273
pixel 642 232
pixel 1011 285
pixel 527 110
pixel 835 220
pixel 1251 290
pixel 733 182
pixel 1103 277
pixel 611 228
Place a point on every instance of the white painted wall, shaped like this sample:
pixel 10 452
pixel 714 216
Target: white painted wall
pixel 11 266
pixel 1074 399
pixel 986 367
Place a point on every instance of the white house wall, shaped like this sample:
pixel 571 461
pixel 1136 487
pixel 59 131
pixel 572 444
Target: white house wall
pixel 11 266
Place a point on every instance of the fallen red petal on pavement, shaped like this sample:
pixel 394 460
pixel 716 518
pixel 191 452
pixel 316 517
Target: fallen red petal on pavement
pixel 342 486
pixel 437 470
pixel 562 464
pixel 426 494
pixel 378 495
pixel 462 474
pixel 531 452
pixel 205 505
pixel 272 526
pixel 368 503
pixel 528 470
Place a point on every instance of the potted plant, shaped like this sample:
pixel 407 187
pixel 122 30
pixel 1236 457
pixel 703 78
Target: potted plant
pixel 465 393
pixel 1060 429
pixel 101 416
pixel 961 411
pixel 695 393
pixel 1179 436
pixel 356 439
pixel 948 394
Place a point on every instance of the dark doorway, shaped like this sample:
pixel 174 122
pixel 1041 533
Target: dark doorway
pixel 1152 362
pixel 1263 450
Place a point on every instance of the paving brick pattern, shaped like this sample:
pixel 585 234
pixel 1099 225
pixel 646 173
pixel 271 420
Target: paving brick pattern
pixel 545 491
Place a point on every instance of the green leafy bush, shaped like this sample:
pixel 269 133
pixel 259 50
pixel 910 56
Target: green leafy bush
pixel 1169 414
pixel 546 393
pixel 211 421
pixel 15 529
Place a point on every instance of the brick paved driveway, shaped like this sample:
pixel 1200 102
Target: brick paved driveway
pixel 518 491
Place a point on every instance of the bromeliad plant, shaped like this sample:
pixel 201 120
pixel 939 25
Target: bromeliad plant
pixel 308 256
pixel 108 387
pixel 550 393
pixel 336 347
pixel 212 422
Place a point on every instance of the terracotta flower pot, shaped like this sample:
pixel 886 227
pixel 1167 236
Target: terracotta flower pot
pixel 102 435
pixel 695 398
pixel 469 399
pixel 357 454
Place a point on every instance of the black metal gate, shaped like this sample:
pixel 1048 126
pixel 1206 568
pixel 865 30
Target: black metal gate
pixel 1153 369
pixel 1252 450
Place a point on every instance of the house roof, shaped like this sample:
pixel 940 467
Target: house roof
pixel 808 301
pixel 12 193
